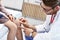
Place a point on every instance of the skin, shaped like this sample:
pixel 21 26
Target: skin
pixel 12 30
pixel 19 31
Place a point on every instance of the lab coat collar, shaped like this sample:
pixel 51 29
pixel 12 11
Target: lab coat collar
pixel 56 17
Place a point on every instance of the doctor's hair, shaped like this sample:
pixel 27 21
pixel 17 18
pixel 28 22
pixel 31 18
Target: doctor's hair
pixel 51 3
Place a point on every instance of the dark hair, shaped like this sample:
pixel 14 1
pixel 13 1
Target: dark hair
pixel 51 3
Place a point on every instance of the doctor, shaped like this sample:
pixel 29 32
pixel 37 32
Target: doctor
pixel 50 29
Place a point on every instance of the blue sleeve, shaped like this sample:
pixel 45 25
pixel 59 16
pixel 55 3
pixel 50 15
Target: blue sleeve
pixel 1 16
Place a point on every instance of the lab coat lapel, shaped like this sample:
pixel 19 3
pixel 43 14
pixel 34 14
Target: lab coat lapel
pixel 56 17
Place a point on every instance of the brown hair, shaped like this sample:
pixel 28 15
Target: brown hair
pixel 50 3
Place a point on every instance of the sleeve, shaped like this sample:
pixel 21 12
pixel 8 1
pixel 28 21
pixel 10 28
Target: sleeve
pixel 40 29
pixel 45 27
pixel 3 31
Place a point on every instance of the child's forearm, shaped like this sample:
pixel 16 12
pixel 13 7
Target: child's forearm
pixel 19 34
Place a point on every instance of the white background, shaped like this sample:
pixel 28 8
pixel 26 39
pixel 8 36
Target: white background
pixel 17 4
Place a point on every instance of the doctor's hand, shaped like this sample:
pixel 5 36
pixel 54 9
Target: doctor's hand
pixel 24 22
pixel 27 31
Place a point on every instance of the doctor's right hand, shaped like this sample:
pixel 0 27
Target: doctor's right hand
pixel 27 31
pixel 24 22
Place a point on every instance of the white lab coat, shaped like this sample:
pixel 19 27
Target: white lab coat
pixel 49 32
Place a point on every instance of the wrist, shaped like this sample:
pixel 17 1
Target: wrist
pixel 18 28
pixel 33 28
